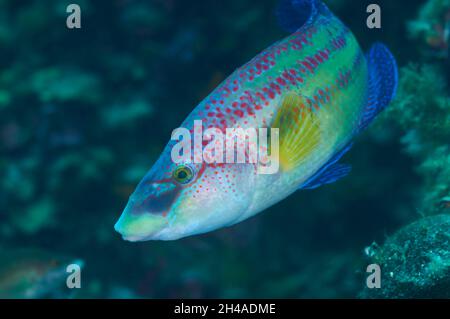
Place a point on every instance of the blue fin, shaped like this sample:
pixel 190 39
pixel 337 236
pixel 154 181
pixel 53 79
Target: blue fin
pixel 383 79
pixel 330 172
pixel 330 175
pixel 293 14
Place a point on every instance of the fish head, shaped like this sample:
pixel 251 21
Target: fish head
pixel 176 200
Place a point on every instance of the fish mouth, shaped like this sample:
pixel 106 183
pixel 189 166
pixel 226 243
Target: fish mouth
pixel 129 236
pixel 163 233
pixel 141 227
pixel 144 218
pixel 136 238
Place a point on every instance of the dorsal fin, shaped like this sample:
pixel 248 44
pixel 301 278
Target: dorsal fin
pixel 299 130
pixel 294 14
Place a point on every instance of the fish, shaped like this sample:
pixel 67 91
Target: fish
pixel 445 202
pixel 28 273
pixel 316 87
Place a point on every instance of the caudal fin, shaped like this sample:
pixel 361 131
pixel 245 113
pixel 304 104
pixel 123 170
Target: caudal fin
pixel 383 80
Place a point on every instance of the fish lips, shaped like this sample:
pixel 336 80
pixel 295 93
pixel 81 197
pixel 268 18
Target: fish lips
pixel 143 220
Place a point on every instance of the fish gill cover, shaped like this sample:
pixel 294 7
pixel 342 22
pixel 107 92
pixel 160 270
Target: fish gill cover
pixel 84 113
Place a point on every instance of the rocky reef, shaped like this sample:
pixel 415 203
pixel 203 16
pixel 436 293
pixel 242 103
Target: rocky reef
pixel 415 261
pixel 422 110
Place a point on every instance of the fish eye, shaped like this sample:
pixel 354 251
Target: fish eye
pixel 183 174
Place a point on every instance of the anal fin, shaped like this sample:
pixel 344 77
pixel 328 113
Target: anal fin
pixel 332 174
pixel 329 173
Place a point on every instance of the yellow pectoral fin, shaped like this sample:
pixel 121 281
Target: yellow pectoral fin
pixel 299 131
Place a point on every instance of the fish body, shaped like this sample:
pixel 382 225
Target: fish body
pixel 316 87
pixel 29 273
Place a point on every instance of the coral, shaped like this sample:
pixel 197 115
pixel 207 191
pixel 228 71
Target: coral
pixel 422 111
pixel 415 261
pixel 5 98
pixel 37 216
pixel 432 27
pixel 143 18
pixel 124 114
pixel 57 84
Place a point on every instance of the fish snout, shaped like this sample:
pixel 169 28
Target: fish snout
pixel 139 227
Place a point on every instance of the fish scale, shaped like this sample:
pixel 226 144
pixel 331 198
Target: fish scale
pixel 316 87
pixel 283 67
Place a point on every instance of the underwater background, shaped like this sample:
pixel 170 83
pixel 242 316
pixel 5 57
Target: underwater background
pixel 84 113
